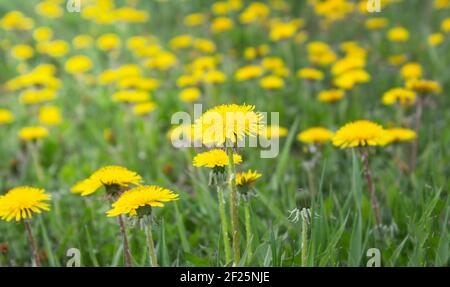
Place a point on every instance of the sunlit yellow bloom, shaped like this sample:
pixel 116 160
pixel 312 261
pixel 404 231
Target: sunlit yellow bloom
pixel 6 116
pixel 358 134
pixel 139 83
pixel 108 42
pixel 181 42
pixel 131 15
pixel 131 96
pixel 49 115
pixel 273 131
pixel 310 74
pixel 221 24
pixel 205 45
pixel 43 34
pixel 32 133
pixel 228 123
pixel 347 64
pixel 376 23
pixel 441 4
pixel 256 11
pixel 394 135
pixel 436 39
pixel 280 30
pixel 331 96
pixel 22 52
pixel 411 71
pixel 21 202
pixel 399 95
pixel 162 61
pixel 271 82
pixel 33 96
pixel 248 72
pixel 131 201
pixel 190 95
pixel 78 64
pixel 215 158
pixel 56 48
pixel 349 79
pixel 424 86
pixel 247 178
pixel 214 77
pixel 108 176
pixel 82 42
pixel 194 19
pixel 315 135
pixel 445 25
pixel 49 9
pixel 398 34
pixel 15 20
pixel 144 108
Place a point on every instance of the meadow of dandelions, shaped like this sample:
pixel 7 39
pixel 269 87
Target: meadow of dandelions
pixel 88 159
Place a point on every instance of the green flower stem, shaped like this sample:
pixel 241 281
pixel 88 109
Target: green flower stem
pixel 224 223
pixel 36 261
pixel 151 244
pixel 234 206
pixel 126 248
pixel 248 230
pixel 304 246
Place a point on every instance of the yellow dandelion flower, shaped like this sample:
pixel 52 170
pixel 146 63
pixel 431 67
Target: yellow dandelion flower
pixel 33 133
pixel 436 39
pixel 221 24
pixel 131 201
pixel 190 95
pixel 215 158
pixel 247 178
pixel 131 96
pixel 144 108
pixel 50 115
pixel 376 23
pixel 194 19
pixel 43 34
pixel 424 86
pixel 273 131
pixel 49 9
pixel 78 64
pixel 403 96
pixel 108 42
pixel 227 122
pixel 315 135
pixel 21 202
pixel 394 135
pixel 310 74
pixel 271 83
pixel 33 96
pixel 358 134
pixel 331 96
pixel 108 176
pixel 398 34
pixel 22 52
pixel 82 42
pixel 248 72
pixel 6 117
pixel 411 71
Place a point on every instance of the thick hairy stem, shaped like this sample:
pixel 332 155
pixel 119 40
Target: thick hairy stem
pixel 371 187
pixel 126 248
pixel 224 223
pixel 234 206
pixel 32 243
